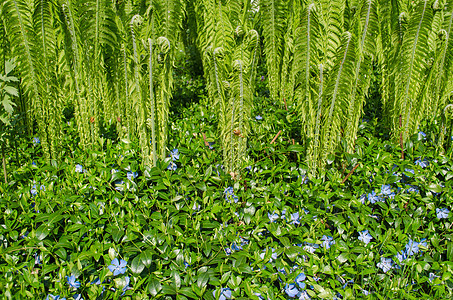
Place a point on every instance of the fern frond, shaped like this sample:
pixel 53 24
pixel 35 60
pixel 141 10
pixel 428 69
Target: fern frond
pixel 367 31
pixel 168 18
pixel 20 33
pixel 411 71
pixel 332 19
pixel 337 93
pixel 306 61
pixel 444 63
pixel 273 17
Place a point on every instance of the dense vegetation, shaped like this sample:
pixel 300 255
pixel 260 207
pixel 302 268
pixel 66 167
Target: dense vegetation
pixel 209 149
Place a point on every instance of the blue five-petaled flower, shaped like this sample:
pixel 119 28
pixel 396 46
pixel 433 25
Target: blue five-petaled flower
pixel 174 154
pixel 225 293
pixel 72 282
pixel 365 237
pixel 442 213
pixel 52 297
pixel 118 267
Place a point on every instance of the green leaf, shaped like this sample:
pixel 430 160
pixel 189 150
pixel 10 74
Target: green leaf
pixel 9 66
pixel 435 188
pixel 154 287
pixel 330 158
pixel 202 279
pixel 137 266
pixel 296 148
pixel 11 90
pixel 146 257
pixel 188 292
pixel 169 290
pixel 8 105
pixel 43 231
pixel 117 234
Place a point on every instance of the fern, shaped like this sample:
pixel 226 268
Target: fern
pixel 368 27
pixel 152 104
pixel 412 68
pixel 444 63
pixel 20 32
pixel 306 60
pixel 274 14
pixel 336 94
pixel 331 15
pixel 49 118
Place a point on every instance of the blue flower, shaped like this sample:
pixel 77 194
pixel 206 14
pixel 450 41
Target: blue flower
pixel 52 297
pixel 401 256
pixel 172 166
pixel 422 163
pixel 244 241
pixel 33 190
pixel 365 237
pixel 412 247
pixel 126 285
pixel 273 255
pixel 283 214
pixel 386 264
pixel 118 267
pixel 79 168
pixel 327 241
pixel 363 198
pixel 258 117
pixel 259 296
pixel 309 247
pixel 299 280
pixel 304 295
pixel 442 213
pixel 413 188
pixel 33 163
pixel 295 218
pixel 174 154
pixel 131 175
pixel 36 141
pixel 432 277
pixel 348 282
pixel 373 197
pixel 119 185
pixel 291 290
pixel 78 297
pixel 235 247
pixel 72 282
pixel 229 193
pixel 217 167
pixel 37 259
pixel 386 189
pixel 272 217
pixel 225 293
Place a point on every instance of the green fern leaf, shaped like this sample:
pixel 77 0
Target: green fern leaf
pixel 412 68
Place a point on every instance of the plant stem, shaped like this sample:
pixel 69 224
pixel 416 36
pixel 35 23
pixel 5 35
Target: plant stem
pixel 401 139
pixel 4 162
pixel 350 173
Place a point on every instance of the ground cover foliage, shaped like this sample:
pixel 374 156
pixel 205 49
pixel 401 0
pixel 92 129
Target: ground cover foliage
pixel 97 226
pixel 150 152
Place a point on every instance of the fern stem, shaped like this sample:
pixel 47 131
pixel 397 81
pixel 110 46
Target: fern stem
pixel 151 94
